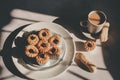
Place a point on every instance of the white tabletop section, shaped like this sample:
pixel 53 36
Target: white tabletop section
pixel 21 17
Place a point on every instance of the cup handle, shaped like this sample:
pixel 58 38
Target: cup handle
pixel 83 24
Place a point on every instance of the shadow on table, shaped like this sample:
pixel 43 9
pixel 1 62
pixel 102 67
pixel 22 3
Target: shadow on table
pixel 111 56
pixel 79 46
pixel 73 27
pixel 5 7
pixel 77 75
pixel 6 53
pixel 10 76
pixel 1 69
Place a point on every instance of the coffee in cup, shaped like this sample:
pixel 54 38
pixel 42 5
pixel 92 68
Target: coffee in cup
pixel 95 22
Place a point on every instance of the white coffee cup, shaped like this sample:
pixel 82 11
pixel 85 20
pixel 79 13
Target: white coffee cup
pixel 95 22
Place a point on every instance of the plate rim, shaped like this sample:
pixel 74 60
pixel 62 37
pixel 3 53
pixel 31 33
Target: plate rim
pixel 65 53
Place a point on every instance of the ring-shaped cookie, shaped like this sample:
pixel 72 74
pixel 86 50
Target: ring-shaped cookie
pixel 42 58
pixel 55 40
pixel 44 34
pixel 31 51
pixel 54 52
pixel 43 46
pixel 32 39
pixel 89 45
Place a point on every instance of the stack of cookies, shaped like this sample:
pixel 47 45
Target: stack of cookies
pixel 43 45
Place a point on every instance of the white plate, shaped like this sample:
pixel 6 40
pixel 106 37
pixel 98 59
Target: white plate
pixel 30 63
pixel 57 69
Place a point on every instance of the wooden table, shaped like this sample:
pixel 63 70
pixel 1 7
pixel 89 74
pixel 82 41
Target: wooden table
pixel 21 17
